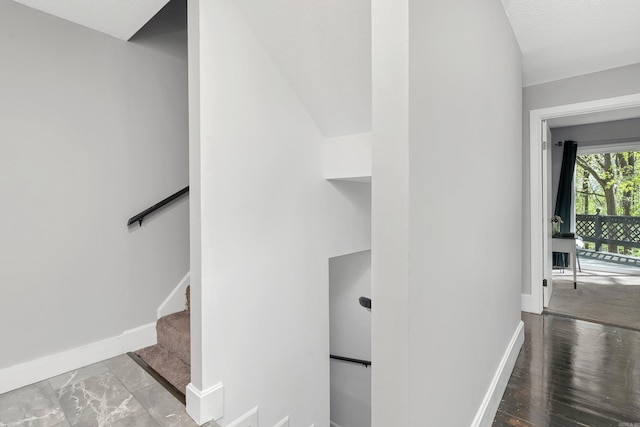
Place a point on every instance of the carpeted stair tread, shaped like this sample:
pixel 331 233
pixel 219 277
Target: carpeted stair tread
pixel 171 357
pixel 174 334
pixel 167 365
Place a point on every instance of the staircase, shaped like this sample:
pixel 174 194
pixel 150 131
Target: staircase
pixel 171 357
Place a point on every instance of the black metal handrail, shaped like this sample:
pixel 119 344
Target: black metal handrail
pixel 366 363
pixel 140 217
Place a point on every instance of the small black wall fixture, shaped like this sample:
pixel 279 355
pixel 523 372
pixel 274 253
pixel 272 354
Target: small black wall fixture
pixel 140 217
pixel 365 302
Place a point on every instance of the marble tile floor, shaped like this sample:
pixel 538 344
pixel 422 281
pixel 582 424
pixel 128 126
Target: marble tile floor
pixel 115 392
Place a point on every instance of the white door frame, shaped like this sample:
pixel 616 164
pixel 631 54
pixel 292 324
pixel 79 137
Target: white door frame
pixel 533 302
pixel 547 267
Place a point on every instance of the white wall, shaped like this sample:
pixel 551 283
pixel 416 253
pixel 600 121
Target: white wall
pixel 350 332
pixel 390 217
pixel 446 234
pixel 348 157
pixel 347 210
pixel 465 80
pixel 323 49
pixel 604 84
pixel 93 131
pixel 266 219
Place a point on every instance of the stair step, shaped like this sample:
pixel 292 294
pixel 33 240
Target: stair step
pixel 167 365
pixel 174 334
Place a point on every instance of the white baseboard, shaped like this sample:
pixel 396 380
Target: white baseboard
pixel 283 422
pixel 176 301
pixel 207 405
pixel 249 419
pixel 40 369
pixel 487 411
pixel 140 337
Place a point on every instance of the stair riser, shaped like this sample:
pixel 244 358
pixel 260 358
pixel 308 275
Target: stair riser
pixel 175 340
pixel 167 365
pixel 178 344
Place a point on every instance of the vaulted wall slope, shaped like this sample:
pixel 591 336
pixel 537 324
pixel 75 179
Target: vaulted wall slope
pixel 121 19
pixel 264 223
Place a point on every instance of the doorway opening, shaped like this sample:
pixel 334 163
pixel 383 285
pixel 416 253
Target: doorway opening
pixel 540 188
pixel 350 339
pixel 605 221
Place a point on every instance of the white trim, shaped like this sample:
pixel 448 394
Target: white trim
pixel 176 301
pixel 283 422
pixel 609 148
pixel 595 106
pixel 487 411
pixel 140 337
pixel 360 179
pixel 535 173
pixel 207 405
pixel 547 272
pixel 37 370
pixel 249 419
pixel 349 252
pixel 535 198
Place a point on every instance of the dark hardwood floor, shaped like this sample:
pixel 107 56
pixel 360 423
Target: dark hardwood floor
pixel 573 373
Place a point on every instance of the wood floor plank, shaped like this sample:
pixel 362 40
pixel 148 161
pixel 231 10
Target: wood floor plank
pixel 573 373
pixel 503 419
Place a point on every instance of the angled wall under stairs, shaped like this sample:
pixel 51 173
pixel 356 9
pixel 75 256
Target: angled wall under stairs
pixel 171 357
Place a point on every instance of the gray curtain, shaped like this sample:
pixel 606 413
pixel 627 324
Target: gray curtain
pixel 563 199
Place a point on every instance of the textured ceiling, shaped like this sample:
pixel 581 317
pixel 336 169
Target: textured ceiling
pixel 323 48
pixel 118 18
pixel 565 38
